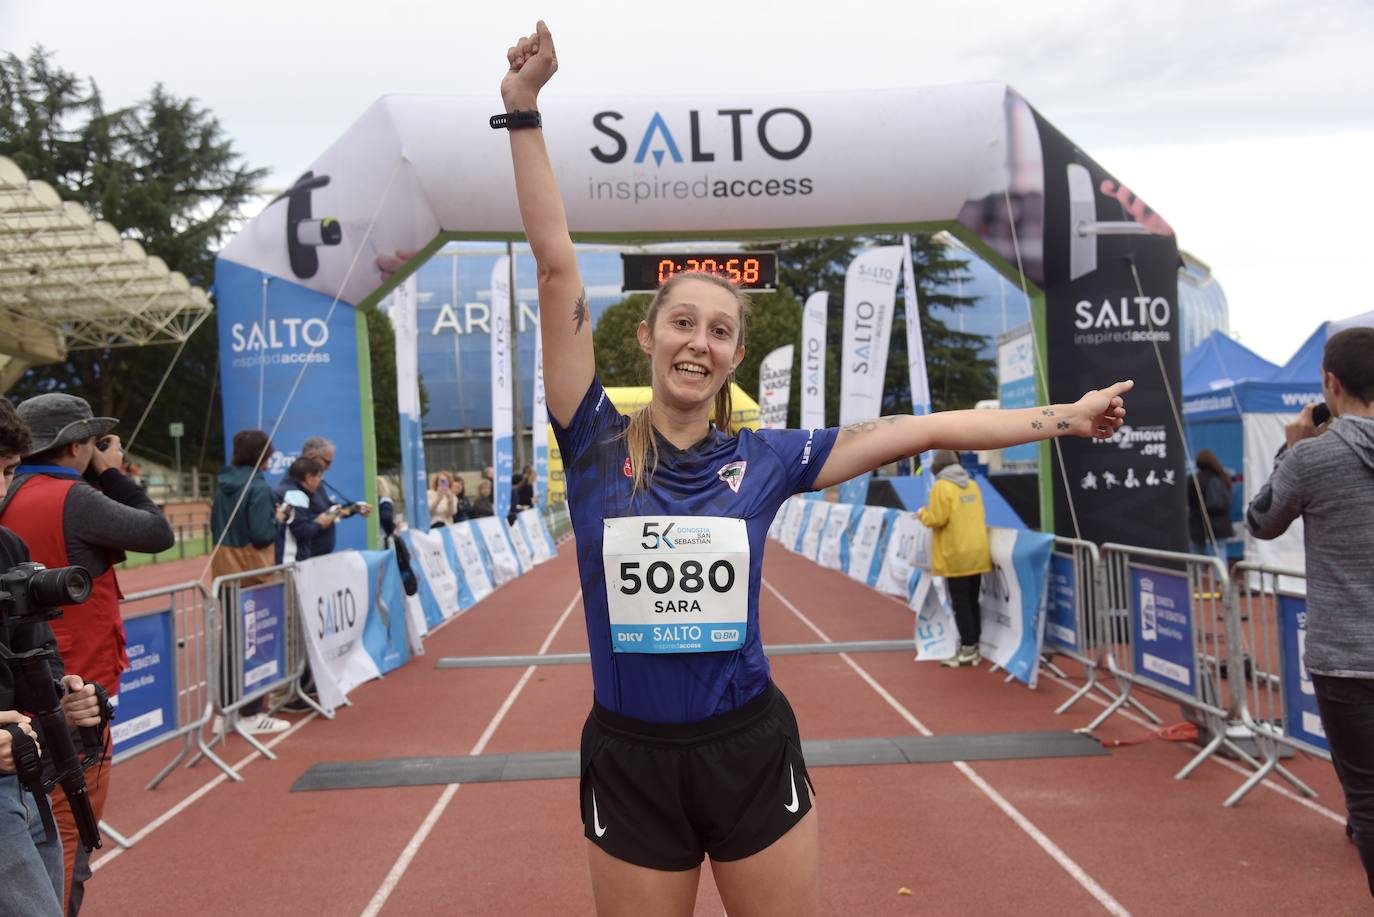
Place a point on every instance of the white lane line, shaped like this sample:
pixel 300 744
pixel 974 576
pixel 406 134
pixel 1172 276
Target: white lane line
pixel 398 869
pixel 1079 875
pixel 186 803
pixel 1215 759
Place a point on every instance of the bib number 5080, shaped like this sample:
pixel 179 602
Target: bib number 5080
pixel 689 576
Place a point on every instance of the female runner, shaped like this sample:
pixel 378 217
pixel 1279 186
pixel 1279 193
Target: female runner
pixel 690 750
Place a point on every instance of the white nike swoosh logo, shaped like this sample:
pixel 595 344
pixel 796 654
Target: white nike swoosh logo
pixel 596 819
pixel 796 803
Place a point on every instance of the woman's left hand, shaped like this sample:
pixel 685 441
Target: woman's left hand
pixel 1099 413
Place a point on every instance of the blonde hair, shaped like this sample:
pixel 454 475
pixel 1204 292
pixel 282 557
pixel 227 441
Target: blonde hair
pixel 434 479
pixel 639 432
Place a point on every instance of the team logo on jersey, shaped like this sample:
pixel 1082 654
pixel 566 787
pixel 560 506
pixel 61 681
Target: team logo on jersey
pixel 733 474
pixel 627 468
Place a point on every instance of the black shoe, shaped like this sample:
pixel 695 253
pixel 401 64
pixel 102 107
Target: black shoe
pixel 297 705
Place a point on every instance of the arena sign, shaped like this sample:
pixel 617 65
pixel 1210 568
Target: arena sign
pixel 975 160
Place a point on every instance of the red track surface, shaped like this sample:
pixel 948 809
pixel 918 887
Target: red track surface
pixel 963 838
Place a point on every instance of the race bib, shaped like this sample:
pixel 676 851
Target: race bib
pixel 676 584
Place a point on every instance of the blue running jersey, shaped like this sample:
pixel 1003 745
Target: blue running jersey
pixel 723 478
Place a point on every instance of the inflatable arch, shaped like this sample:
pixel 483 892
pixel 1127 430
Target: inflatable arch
pixel 975 160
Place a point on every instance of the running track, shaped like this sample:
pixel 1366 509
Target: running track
pixel 1114 834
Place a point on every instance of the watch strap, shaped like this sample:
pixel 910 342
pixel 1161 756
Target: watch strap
pixel 513 120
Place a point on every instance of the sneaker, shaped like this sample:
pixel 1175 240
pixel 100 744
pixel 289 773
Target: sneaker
pixel 967 655
pixel 262 724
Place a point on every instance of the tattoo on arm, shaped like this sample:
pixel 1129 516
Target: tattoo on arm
pixel 868 426
pixel 580 312
pixel 1047 412
pixel 1037 425
pixel 1062 425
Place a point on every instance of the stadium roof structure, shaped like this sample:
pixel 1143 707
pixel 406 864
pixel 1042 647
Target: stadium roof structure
pixel 70 282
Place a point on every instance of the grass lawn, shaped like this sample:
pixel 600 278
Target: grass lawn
pixel 191 547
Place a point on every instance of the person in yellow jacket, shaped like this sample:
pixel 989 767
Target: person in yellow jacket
pixel 959 548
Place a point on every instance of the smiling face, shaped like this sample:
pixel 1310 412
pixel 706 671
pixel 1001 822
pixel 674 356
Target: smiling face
pixel 694 343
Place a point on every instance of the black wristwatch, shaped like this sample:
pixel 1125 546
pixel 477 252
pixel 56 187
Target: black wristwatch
pixel 513 120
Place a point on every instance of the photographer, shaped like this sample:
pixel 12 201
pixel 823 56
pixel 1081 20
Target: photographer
pixel 31 865
pixel 306 518
pixel 1324 475
pixel 325 497
pixel 67 521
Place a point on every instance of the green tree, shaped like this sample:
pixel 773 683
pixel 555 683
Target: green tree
pixel 386 417
pixel 163 172
pixel 619 359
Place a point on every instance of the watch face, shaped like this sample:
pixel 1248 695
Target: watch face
pixel 749 270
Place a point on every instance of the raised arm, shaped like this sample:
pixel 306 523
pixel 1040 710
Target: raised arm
pixel 871 444
pixel 563 316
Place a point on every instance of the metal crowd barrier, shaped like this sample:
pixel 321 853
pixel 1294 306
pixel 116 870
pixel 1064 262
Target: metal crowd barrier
pixel 1075 635
pixel 191 668
pixel 237 600
pixel 1163 625
pixel 1273 696
pixel 557 519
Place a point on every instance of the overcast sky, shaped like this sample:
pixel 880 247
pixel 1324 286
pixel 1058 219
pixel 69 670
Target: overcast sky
pixel 1248 125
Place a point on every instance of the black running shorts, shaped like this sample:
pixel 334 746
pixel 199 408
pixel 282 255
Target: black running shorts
pixel 665 795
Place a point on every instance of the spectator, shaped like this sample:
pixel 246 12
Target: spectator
pixel 323 498
pixel 481 505
pixel 386 511
pixel 464 503
pixel 244 528
pixel 959 549
pixel 67 521
pixel 300 537
pixel 1212 481
pixel 1325 475
pixel 443 499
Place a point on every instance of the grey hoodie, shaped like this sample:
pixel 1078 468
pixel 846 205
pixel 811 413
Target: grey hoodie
pixel 955 474
pixel 1329 482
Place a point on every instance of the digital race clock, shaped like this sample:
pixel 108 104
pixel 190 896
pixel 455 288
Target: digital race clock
pixel 750 270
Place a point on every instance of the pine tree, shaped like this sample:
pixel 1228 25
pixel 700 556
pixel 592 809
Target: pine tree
pixel 164 172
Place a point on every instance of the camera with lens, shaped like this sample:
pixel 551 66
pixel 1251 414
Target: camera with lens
pixel 31 593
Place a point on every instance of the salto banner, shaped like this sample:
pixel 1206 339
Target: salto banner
pixel 289 362
pixel 502 404
pixel 539 427
pixel 413 480
pixel 870 288
pixel 813 361
pixel 915 341
pixel 775 385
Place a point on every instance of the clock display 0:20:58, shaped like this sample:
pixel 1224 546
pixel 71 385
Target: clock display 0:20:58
pixel 745 271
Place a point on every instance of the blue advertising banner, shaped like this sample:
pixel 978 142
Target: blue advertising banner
pixel 147 700
pixel 384 633
pixel 1013 608
pixel 1301 719
pixel 1061 622
pixel 268 329
pixel 262 626
pixel 1162 627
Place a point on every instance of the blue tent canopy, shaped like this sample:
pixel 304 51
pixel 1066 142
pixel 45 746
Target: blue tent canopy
pixel 1218 361
pixel 1306 364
